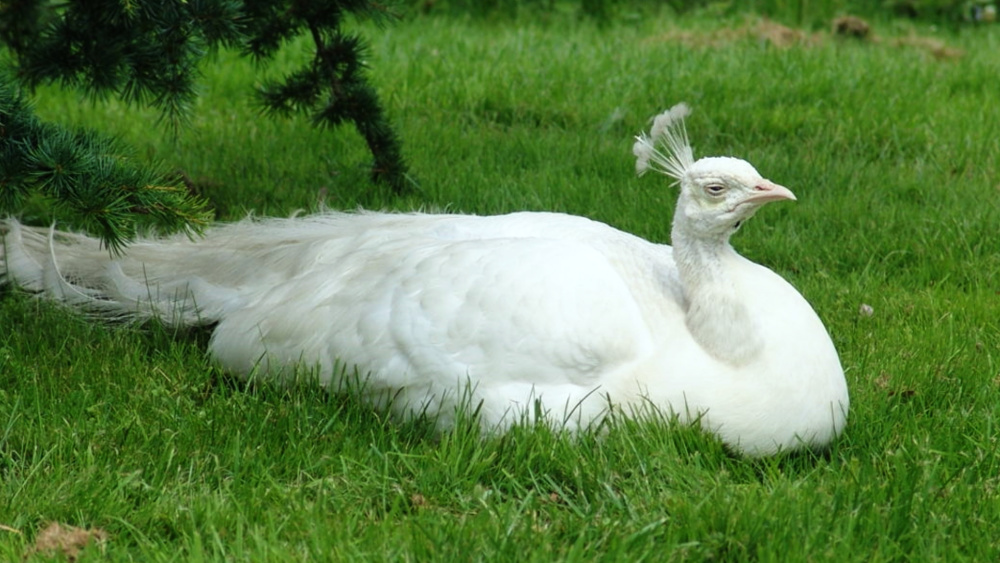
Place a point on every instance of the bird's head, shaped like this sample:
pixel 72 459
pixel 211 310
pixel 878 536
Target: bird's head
pixel 717 193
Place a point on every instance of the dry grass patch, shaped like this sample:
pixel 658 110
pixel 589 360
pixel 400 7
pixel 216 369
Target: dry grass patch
pixel 845 28
pixel 58 540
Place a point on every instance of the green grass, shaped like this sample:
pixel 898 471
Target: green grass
pixel 894 157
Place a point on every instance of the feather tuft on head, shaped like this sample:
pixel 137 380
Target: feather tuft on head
pixel 668 131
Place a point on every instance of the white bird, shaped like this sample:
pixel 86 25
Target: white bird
pixel 514 314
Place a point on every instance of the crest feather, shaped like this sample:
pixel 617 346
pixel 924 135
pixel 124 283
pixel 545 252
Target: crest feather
pixel 669 133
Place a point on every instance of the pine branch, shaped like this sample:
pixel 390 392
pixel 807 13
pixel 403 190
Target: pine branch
pixel 148 52
pixel 93 177
pixel 333 89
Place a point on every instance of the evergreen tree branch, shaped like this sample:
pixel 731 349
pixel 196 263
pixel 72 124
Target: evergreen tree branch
pixel 148 52
pixel 92 176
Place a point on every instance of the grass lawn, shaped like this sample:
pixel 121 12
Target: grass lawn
pixel 891 147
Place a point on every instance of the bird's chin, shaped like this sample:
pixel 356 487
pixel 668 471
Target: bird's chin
pixel 740 213
pixel 745 209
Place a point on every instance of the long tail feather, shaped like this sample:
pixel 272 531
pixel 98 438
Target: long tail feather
pixel 75 270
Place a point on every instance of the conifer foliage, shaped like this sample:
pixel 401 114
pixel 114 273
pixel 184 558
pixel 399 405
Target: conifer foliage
pixel 332 88
pixel 93 177
pixel 148 52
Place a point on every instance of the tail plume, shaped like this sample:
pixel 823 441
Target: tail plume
pixel 75 270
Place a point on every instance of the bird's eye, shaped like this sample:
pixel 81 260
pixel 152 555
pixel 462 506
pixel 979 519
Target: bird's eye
pixel 715 189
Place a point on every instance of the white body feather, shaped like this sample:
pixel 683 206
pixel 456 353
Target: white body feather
pixel 515 308
pixel 507 313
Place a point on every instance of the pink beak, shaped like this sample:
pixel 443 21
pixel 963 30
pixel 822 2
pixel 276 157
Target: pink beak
pixel 766 191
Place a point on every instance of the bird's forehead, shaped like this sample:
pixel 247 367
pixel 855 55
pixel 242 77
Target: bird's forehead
pixel 723 166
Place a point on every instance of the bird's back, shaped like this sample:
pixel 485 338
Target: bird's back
pixel 512 309
pixel 509 308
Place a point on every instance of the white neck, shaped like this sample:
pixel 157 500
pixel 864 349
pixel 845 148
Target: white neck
pixel 716 314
